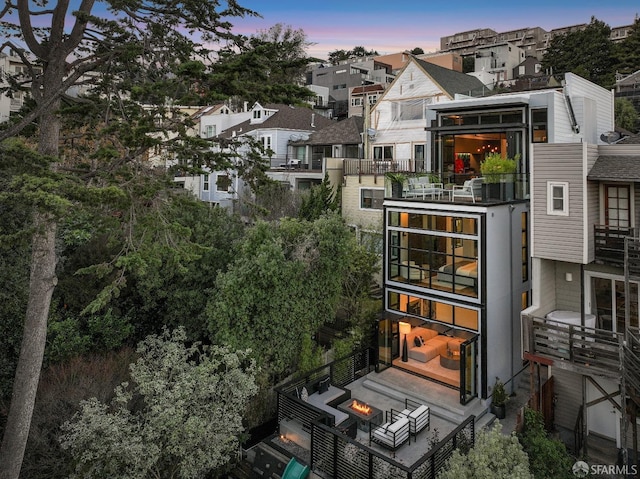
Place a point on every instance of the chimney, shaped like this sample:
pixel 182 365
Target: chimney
pixel 313 118
pixel 246 106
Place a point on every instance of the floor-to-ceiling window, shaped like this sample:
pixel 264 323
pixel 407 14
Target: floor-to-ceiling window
pixel 462 139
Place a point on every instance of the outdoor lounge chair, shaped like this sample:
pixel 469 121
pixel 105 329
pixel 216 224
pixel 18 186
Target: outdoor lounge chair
pixel 419 416
pixel 470 189
pixel 393 433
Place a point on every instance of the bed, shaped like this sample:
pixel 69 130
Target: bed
pixel 465 272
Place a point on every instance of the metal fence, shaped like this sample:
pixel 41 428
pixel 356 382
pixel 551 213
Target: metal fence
pixel 338 456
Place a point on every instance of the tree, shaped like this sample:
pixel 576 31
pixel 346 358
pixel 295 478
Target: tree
pixel 629 51
pixel 181 416
pixel 284 282
pixel 588 52
pixel 337 56
pixel 626 115
pixel 268 67
pixel 417 51
pixel 494 456
pixel 319 200
pixel 135 53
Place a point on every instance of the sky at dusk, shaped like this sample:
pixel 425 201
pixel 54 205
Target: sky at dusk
pixel 390 27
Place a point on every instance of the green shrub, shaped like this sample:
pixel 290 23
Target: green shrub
pixel 547 457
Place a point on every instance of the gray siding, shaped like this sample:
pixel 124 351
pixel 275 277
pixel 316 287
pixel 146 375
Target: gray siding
pixel 558 237
pixel 568 389
pixel 567 292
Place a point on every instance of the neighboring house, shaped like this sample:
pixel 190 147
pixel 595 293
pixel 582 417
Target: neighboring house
pixel 628 87
pixel 340 78
pixel 362 98
pixel 533 40
pixel 582 327
pixel 11 64
pixel 458 268
pixel 397 61
pixel 398 119
pixel 276 127
pixel 499 60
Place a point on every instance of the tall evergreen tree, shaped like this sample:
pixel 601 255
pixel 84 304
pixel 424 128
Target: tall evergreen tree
pixel 588 52
pixel 629 51
pixel 133 53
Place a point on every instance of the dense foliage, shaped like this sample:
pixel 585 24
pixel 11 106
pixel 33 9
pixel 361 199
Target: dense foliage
pixel 547 457
pixel 179 416
pixel 494 456
pixel 284 282
pixel 590 53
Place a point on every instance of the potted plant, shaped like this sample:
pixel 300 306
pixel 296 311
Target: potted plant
pixel 499 171
pixel 499 399
pixel 397 183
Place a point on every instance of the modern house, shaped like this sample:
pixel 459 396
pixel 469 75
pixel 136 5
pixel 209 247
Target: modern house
pixel 581 330
pixel 456 259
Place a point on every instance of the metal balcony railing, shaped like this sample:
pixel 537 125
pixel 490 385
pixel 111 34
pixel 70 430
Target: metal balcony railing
pixel 609 244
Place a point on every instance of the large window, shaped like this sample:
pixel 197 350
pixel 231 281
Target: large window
pixel 408 110
pixel 371 198
pixel 434 310
pixel 438 252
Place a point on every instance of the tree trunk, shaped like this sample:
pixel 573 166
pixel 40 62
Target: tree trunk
pixel 25 386
pixel 42 282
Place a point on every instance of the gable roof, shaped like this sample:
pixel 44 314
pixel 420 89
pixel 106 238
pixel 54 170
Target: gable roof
pixel 345 132
pixel 450 81
pixel 616 168
pixel 287 118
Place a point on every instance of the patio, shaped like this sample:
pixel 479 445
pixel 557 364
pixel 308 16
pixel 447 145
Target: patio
pixel 319 437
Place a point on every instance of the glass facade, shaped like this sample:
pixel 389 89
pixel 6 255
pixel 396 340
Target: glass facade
pixel 434 251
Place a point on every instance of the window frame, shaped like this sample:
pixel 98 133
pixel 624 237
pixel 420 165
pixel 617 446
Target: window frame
pixel 551 209
pixel 374 200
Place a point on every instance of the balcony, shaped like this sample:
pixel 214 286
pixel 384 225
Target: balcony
pixel 279 163
pixel 609 244
pixel 360 167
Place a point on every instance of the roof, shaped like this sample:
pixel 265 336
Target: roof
pixel 616 168
pixel 287 118
pixel 628 139
pixel 345 132
pixel 451 82
pixel 367 88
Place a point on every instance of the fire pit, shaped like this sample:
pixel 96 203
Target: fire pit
pixel 363 413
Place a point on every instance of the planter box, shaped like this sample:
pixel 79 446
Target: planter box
pixel 498 191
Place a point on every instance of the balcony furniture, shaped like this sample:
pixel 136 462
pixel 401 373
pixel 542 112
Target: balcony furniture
pixel 470 189
pixel 451 360
pixel 393 433
pixel 325 396
pixel 419 416
pixel 422 187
